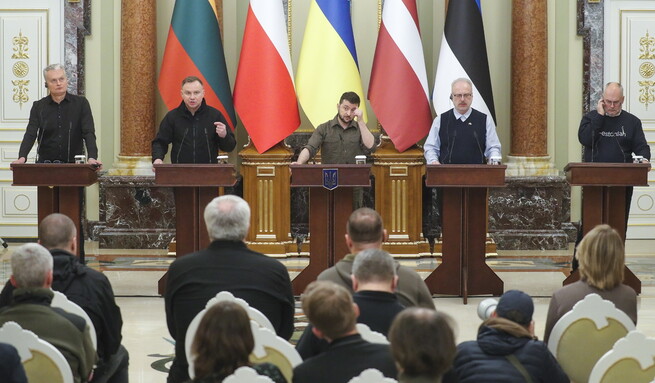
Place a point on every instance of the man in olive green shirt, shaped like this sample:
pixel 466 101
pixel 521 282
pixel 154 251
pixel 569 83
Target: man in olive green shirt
pixel 343 137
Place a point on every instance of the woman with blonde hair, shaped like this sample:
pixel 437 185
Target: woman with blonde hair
pixel 223 343
pixel 602 262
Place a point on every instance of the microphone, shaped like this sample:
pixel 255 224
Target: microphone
pixel 209 153
pixel 70 128
pixel 477 141
pixel 620 147
pixel 450 153
pixel 177 159
pixel 38 144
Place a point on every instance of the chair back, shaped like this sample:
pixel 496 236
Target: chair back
pixel 581 337
pixel 60 300
pixel 370 335
pixel 275 350
pixel 41 360
pixel 632 359
pixel 371 375
pixel 247 375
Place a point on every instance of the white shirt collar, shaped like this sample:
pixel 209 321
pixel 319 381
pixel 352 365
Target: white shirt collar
pixel 464 116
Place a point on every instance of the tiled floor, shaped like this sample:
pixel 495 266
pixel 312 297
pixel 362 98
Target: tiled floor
pixel 146 336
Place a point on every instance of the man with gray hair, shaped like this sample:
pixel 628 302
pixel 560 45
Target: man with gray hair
pixel 374 280
pixel 462 135
pixel 31 266
pixel 226 265
pixel 61 123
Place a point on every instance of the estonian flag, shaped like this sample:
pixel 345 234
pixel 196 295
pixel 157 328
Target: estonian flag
pixel 464 54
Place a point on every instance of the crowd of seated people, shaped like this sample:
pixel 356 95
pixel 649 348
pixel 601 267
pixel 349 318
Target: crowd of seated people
pixel 367 287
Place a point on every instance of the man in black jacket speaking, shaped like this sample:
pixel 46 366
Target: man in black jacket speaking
pixel 195 129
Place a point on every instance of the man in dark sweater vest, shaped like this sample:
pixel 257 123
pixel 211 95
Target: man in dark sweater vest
pixel 610 134
pixel 462 135
pixel 330 309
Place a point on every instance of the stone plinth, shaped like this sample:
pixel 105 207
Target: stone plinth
pixel 134 213
pixel 531 213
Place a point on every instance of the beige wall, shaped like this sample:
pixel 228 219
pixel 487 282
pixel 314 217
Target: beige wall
pixel 564 63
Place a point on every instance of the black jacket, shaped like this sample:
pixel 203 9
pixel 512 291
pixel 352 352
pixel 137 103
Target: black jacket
pixel 612 139
pixel 195 278
pixel 91 290
pixel 485 360
pixel 193 136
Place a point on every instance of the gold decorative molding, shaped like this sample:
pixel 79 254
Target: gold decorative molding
pixel 647 69
pixel 21 47
pixel 20 95
pixel 20 69
pixel 646 92
pixel 647 47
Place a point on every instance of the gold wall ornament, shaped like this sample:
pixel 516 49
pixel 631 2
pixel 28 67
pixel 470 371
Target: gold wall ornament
pixel 647 69
pixel 20 95
pixel 647 92
pixel 20 69
pixel 647 47
pixel 21 47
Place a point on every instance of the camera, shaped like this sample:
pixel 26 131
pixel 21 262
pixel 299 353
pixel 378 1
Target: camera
pixel 486 308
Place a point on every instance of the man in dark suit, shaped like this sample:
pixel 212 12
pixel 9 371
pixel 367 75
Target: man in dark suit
pixel 226 265
pixel 331 310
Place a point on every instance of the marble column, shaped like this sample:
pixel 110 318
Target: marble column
pixel 529 146
pixel 138 87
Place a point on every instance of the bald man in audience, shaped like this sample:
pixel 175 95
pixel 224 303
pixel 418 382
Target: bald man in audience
pixel 89 289
pixel 331 310
pixel 31 266
pixel 374 281
pixel 365 231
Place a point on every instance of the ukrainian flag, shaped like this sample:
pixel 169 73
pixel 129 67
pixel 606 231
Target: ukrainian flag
pixel 328 61
pixel 194 48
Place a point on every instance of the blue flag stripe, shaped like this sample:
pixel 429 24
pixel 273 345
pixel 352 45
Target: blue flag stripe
pixel 465 35
pixel 337 13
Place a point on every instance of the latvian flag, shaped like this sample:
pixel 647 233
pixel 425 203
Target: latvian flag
pixel 194 48
pixel 263 93
pixel 399 82
pixel 464 54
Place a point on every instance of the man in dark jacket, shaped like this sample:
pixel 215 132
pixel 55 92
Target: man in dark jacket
pixel 226 265
pixel 506 349
pixel 195 129
pixel 330 309
pixel 88 288
pixel 374 281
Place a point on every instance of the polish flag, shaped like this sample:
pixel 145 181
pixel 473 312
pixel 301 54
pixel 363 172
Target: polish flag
pixel 264 93
pixel 398 90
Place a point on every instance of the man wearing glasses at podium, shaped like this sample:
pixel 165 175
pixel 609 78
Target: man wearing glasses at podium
pixel 61 124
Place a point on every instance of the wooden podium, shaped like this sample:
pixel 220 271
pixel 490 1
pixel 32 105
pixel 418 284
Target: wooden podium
pixel 604 192
pixel 59 190
pixel 194 186
pixel 330 205
pixel 463 270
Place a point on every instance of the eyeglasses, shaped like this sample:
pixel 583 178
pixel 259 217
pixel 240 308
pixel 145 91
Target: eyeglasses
pixel 612 103
pixel 463 95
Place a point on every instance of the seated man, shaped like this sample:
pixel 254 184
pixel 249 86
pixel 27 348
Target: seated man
pixel 423 345
pixel 364 231
pixel 226 265
pixel 331 310
pixel 31 266
pixel 374 280
pixel 11 368
pixel 506 349
pixel 88 288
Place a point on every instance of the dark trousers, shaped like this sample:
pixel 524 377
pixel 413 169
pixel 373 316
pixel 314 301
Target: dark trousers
pixel 113 369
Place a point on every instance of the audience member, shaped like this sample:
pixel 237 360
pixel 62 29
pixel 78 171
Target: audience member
pixel 31 266
pixel 423 345
pixel 506 349
pixel 226 265
pixel 374 280
pixel 601 257
pixel 365 231
pixel 11 368
pixel 223 343
pixel 88 288
pixel 331 310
